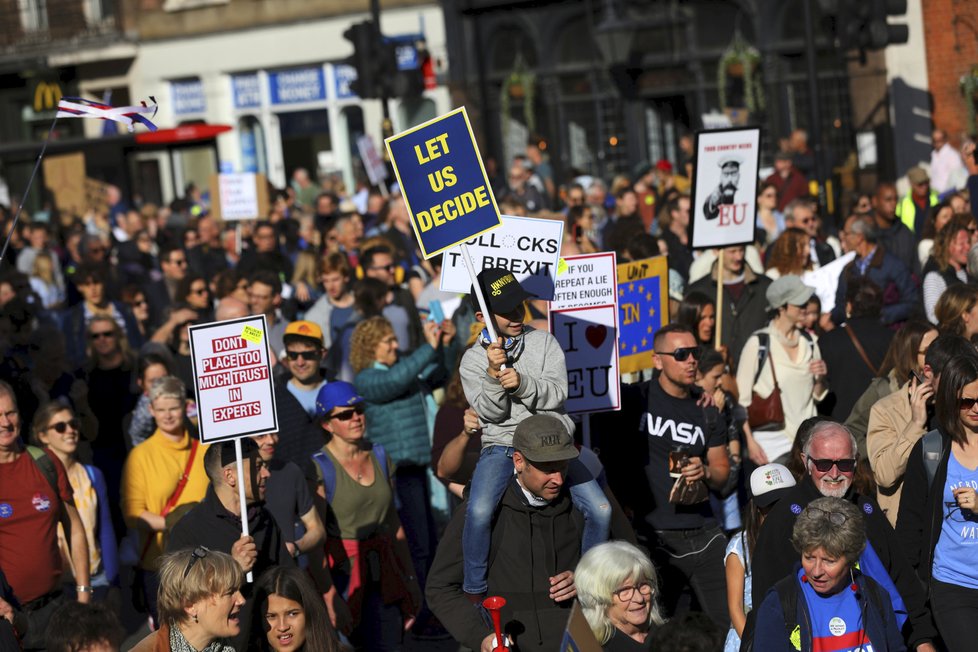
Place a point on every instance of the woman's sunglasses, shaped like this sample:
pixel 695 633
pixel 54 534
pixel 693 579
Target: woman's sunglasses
pixel 61 427
pixel 347 415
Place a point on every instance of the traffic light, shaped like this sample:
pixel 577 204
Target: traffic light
pixel 366 41
pixel 863 24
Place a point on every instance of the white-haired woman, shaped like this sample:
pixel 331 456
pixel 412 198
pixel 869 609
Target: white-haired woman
pixel 616 587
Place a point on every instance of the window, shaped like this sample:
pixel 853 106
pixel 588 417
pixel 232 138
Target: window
pixel 33 15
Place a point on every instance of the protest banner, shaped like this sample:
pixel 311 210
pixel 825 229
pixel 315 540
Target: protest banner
pixel 724 205
pixel 527 246
pixel 372 163
pixel 64 177
pixel 444 184
pixel 586 280
pixel 643 308
pixel 239 196
pixel 588 336
pixel 233 386
pixel 825 280
pixel 578 636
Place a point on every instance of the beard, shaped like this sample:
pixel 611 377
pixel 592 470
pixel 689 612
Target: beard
pixel 834 489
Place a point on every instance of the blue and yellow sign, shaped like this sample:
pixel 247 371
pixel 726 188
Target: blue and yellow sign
pixel 643 308
pixel 444 184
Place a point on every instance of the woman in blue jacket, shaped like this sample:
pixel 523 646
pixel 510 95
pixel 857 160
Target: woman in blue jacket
pixel 56 428
pixel 401 415
pixel 827 604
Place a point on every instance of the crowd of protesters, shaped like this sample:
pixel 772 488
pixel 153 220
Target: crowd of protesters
pixel 803 479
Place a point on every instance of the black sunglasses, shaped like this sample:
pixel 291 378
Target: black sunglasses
pixel 102 335
pixel 346 416
pixel 847 465
pixel 305 355
pixel 61 427
pixel 682 354
pixel 389 268
pixel 199 553
pixel 965 404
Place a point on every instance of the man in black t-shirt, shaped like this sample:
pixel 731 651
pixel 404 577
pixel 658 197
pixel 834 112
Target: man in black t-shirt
pixel 690 441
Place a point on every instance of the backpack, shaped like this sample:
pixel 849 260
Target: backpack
pixel 788 593
pixel 932 450
pixel 329 469
pixel 45 466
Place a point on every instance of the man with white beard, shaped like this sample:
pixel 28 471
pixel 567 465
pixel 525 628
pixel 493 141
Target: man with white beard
pixel 829 456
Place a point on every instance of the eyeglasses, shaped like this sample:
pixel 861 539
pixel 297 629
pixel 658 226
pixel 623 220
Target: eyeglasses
pixel 199 553
pixel 682 354
pixel 846 465
pixel 348 414
pixel 389 268
pixel 966 404
pixel 102 335
pixel 305 355
pixel 61 427
pixel 835 518
pixel 626 593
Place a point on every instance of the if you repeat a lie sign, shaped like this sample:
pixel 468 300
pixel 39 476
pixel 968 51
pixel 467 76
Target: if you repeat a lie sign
pixel 444 184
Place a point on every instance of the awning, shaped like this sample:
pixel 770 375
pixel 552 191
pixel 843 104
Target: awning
pixel 182 134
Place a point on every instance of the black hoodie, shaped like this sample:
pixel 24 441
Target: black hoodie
pixel 529 546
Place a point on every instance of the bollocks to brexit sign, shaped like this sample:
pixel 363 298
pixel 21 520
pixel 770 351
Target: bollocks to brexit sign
pixel 444 184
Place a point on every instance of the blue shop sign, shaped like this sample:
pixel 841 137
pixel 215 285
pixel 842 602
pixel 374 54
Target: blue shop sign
pixel 246 90
pixel 297 86
pixel 188 97
pixel 344 76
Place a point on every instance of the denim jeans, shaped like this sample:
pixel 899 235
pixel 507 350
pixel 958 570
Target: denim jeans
pixel 694 558
pixel 492 474
pixel 414 510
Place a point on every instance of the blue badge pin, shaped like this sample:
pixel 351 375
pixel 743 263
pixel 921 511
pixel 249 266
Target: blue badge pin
pixel 795 509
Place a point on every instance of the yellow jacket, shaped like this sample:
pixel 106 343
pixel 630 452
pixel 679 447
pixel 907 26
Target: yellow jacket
pixel 149 478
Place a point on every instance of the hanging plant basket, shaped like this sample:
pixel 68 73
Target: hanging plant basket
pixel 969 89
pixel 519 86
pixel 741 61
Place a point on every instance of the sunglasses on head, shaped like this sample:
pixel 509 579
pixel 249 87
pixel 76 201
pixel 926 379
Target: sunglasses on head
pixel 61 427
pixel 348 414
pixel 305 355
pixel 847 465
pixel 199 553
pixel 682 354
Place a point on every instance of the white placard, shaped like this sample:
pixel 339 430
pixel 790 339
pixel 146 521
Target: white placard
pixel 586 280
pixel 527 246
pixel 239 196
pixel 725 198
pixel 589 338
pixel 232 379
pixel 372 163
pixel 825 280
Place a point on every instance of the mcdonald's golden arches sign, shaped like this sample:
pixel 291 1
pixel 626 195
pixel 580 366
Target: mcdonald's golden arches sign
pixel 47 94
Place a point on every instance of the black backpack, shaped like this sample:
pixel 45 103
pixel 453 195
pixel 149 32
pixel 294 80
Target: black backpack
pixel 787 589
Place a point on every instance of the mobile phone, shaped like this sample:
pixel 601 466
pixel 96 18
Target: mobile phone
pixel 920 380
pixel 576 232
pixel 435 312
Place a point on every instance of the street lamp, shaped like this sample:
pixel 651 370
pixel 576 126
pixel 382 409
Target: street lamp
pixel 615 33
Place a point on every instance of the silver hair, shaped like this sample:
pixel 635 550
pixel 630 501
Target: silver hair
pixel 167 387
pixel 865 226
pixel 824 429
pixel 598 575
pixel 819 526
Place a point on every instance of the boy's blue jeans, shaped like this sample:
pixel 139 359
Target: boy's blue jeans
pixel 492 474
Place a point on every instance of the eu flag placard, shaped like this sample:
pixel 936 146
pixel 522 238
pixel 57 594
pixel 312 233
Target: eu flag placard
pixel 444 184
pixel 643 308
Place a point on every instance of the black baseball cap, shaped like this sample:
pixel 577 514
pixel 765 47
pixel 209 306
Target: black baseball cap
pixel 501 290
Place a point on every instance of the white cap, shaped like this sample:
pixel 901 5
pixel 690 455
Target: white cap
pixel 768 482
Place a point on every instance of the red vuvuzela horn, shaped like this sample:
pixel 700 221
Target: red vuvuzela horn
pixel 494 605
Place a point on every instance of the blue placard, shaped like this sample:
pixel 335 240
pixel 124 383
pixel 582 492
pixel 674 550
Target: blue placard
pixel 188 97
pixel 344 75
pixel 246 90
pixel 297 86
pixel 643 308
pixel 445 186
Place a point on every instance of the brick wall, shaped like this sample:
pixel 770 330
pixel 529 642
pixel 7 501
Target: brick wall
pixel 951 52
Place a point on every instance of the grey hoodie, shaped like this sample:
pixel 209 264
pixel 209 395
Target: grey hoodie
pixel 542 390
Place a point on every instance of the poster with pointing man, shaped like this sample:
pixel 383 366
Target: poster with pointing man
pixel 725 187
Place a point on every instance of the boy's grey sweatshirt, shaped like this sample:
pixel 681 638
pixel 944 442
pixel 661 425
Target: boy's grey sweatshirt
pixel 542 390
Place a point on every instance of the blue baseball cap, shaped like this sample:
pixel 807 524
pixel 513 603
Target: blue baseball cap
pixel 334 395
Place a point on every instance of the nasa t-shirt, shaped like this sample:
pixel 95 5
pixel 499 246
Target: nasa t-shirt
pixel 837 623
pixel 669 423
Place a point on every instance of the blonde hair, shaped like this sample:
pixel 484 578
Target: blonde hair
pixel 43 267
pixel 363 344
pixel 186 577
pixel 307 269
pixel 598 575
